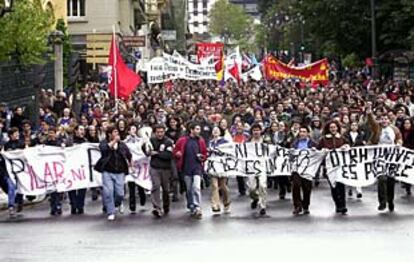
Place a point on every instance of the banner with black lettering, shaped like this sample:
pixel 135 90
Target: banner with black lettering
pixel 42 169
pixel 256 159
pixel 360 166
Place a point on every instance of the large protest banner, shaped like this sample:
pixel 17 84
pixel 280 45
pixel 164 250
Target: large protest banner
pixel 206 50
pixel 171 67
pixel 361 166
pixel 317 72
pixel 256 159
pixel 42 169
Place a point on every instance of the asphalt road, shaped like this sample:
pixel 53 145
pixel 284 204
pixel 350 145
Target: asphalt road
pixel 363 234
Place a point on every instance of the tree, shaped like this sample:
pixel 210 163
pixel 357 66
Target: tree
pixel 24 32
pixel 230 20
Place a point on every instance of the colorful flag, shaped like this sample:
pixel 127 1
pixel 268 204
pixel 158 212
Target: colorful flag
pixel 123 80
pixel 235 72
pixel 220 69
pixel 316 73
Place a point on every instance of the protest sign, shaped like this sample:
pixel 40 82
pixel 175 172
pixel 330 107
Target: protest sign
pixel 361 166
pixel 42 169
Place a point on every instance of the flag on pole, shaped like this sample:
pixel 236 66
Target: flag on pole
pixel 235 72
pixel 123 80
pixel 219 66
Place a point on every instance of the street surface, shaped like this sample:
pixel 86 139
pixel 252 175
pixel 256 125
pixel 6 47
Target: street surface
pixel 363 234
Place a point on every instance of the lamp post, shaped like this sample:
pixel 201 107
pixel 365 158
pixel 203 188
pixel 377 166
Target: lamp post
pixel 5 7
pixel 56 38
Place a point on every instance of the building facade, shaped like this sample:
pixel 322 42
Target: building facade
pixel 198 20
pixel 250 7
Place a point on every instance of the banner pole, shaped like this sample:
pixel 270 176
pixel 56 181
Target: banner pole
pixel 115 68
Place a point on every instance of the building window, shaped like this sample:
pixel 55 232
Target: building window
pixel 195 24
pixel 205 23
pixel 204 4
pixel 195 4
pixel 205 12
pixel 195 13
pixel 76 8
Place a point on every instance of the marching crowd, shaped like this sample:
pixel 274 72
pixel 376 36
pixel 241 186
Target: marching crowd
pixel 178 126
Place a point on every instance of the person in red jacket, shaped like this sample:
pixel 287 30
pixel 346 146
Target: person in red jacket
pixel 191 152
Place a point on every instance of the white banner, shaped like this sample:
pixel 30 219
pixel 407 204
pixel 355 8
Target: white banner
pixel 360 166
pixel 171 67
pixel 256 159
pixel 42 169
pixel 255 73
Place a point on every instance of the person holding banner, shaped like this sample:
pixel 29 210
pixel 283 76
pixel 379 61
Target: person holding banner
pixel 240 137
pixel 383 133
pixel 407 132
pixel 160 149
pixel 52 139
pixel 218 181
pixel 77 197
pixel 114 162
pixel 300 204
pixel 133 138
pixel 14 198
pixel 257 184
pixel 355 137
pixel 191 152
pixel 332 139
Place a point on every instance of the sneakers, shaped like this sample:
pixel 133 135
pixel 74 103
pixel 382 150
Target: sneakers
pixel 111 217
pixel 227 209
pixel 306 211
pixel 297 211
pixel 12 212
pixel 197 214
pixel 382 207
pixel 121 208
pixel 359 195
pixel 254 203
pixel 350 192
pixel 262 212
pixel 391 207
pixel 156 213
pixel 215 209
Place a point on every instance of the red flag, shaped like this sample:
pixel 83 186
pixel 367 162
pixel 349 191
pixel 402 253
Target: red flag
pixel 126 79
pixel 234 71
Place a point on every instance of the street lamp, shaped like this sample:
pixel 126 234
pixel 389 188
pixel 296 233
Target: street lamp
pixel 5 7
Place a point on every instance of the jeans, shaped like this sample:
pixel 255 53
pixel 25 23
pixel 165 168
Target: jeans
pixel 258 189
pixel 160 178
pixel 113 191
pixel 132 188
pixel 193 184
pixel 77 198
pixel 55 203
pixel 386 188
pixel 338 195
pixel 300 184
pixel 11 192
pixel 219 184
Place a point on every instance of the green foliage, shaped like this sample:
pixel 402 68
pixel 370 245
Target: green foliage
pixel 351 61
pixel 340 27
pixel 67 49
pixel 231 20
pixel 24 32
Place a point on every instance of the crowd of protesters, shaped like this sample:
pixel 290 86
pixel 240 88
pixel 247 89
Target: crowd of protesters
pixel 183 123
